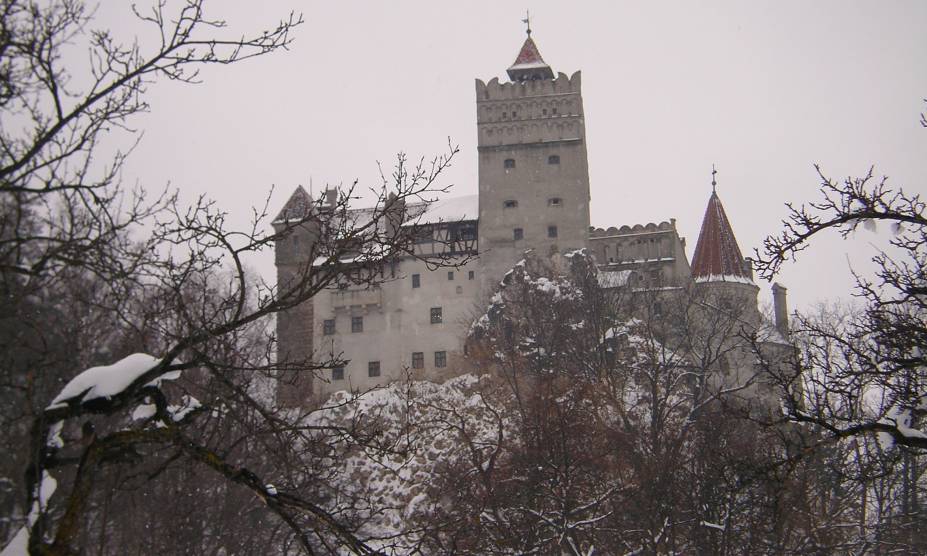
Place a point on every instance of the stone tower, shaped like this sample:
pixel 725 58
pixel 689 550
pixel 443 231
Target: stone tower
pixel 293 254
pixel 533 171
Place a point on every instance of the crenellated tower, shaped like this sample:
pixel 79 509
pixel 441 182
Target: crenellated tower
pixel 533 170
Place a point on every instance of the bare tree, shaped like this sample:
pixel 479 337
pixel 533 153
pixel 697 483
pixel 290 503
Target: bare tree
pixel 71 261
pixel 863 382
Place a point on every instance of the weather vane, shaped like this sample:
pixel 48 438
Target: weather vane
pixel 713 182
pixel 527 21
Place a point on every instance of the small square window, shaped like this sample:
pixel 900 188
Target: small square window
pixel 554 202
pixel 357 324
pixel 553 159
pixel 416 280
pixel 471 275
pixel 509 163
pixel 418 360
pixel 450 275
pixel 373 368
pixel 328 327
pixel 436 315
pixel 551 231
pixel 440 359
pixel 338 373
pixel 423 234
pixel 518 234
pixel 510 204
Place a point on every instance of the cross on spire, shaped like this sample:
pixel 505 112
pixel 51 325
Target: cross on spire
pixel 527 21
pixel 714 183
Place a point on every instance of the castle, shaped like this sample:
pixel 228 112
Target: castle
pixel 533 194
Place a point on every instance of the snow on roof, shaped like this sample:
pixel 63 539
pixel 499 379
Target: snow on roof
pixel 105 382
pixel 453 209
pixel 529 65
pixel 724 278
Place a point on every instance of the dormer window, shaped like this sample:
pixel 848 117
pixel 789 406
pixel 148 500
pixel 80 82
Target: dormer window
pixel 509 163
pixel 510 204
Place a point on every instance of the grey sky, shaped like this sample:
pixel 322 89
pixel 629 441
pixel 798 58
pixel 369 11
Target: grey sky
pixel 762 89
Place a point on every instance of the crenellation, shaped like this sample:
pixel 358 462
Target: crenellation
pixel 496 91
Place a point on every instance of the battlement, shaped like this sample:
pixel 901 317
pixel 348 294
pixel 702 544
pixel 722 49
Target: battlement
pixel 508 91
pixel 635 229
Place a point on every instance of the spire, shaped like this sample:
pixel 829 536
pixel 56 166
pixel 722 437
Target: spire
pixel 529 65
pixel 717 256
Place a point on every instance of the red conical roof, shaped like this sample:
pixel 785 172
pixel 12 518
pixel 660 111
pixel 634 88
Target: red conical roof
pixel 529 64
pixel 717 256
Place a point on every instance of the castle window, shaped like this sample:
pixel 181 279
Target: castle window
pixel 554 202
pixel 471 275
pixel 551 231
pixel 553 110
pixel 513 114
pixel 418 360
pixel 509 204
pixel 518 234
pixel 553 159
pixel 544 112
pixel 450 275
pixel 436 315
pixel 357 324
pixel 338 373
pixel 373 368
pixel 465 232
pixel 328 327
pixel 423 234
pixel 505 115
pixel 416 280
pixel 440 359
pixel 509 163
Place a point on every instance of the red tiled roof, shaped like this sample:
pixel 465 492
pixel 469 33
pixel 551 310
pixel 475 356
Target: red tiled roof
pixel 529 54
pixel 529 65
pixel 717 253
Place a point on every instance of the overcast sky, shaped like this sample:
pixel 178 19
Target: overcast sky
pixel 763 90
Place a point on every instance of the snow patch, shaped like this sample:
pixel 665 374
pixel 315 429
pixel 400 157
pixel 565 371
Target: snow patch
pixel 105 382
pixel 144 411
pixel 724 278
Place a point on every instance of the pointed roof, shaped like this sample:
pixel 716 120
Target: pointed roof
pixel 529 64
pixel 717 256
pixel 297 207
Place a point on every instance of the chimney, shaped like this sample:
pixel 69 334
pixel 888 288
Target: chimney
pixel 748 270
pixel 331 197
pixel 780 310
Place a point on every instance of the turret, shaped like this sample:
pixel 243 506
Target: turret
pixel 294 253
pixel 717 264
